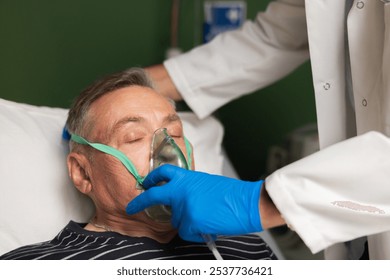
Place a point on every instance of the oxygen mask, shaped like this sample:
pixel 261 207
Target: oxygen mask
pixel 164 150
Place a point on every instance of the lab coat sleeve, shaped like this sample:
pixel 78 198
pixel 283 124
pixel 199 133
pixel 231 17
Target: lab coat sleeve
pixel 337 194
pixel 238 62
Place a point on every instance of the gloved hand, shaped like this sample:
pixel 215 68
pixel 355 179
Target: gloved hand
pixel 202 203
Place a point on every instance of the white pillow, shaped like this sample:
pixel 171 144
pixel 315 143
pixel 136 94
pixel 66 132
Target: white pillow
pixel 37 197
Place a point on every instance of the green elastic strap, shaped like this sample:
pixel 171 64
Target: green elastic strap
pixel 113 152
pixel 189 153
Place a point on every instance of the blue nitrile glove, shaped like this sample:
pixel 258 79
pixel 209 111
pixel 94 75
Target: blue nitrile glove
pixel 202 203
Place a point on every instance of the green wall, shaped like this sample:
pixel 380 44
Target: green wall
pixel 255 122
pixel 50 50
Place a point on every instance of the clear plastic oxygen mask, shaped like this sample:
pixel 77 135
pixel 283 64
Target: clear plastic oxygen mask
pixel 164 150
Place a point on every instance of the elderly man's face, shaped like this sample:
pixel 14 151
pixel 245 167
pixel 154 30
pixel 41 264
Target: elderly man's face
pixel 126 120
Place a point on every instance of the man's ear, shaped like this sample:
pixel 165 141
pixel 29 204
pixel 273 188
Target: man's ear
pixel 79 171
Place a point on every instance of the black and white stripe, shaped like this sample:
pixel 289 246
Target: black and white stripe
pixel 76 243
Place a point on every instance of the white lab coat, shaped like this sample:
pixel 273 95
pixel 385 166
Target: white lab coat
pixel 343 191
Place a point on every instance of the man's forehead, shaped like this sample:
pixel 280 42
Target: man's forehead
pixel 139 120
pixel 134 104
pixel 137 94
pixel 140 100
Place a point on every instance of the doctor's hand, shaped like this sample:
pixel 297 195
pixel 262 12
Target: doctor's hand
pixel 202 203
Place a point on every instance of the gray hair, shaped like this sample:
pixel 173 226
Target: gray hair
pixel 77 116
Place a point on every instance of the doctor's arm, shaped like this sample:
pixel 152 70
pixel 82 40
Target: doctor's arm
pixel 237 62
pixel 163 82
pixel 270 215
pixel 335 195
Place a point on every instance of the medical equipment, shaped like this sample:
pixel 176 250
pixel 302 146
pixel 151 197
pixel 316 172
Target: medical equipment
pixel 221 16
pixel 212 247
pixel 164 150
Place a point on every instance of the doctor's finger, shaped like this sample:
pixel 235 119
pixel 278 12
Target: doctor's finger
pixel 164 173
pixel 153 196
pixel 189 231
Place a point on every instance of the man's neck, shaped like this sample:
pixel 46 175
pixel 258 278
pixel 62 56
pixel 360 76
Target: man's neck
pixel 137 226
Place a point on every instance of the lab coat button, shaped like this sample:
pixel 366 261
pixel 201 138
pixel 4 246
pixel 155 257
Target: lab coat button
pixel 326 86
pixel 364 102
pixel 360 4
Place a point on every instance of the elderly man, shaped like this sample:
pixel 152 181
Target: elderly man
pixel 119 115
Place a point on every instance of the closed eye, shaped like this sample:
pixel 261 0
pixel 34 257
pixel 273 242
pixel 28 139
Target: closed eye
pixel 133 141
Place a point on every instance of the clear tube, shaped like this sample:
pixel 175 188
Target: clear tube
pixel 211 244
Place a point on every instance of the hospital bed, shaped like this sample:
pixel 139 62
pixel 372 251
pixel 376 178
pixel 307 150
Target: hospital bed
pixel 37 197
